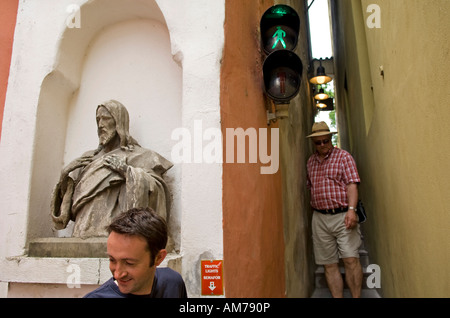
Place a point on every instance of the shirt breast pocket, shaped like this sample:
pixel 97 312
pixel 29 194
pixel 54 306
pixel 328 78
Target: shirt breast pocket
pixel 334 172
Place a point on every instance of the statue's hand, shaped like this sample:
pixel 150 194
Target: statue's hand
pixel 116 163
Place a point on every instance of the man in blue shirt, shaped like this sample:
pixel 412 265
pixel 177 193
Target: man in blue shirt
pixel 136 246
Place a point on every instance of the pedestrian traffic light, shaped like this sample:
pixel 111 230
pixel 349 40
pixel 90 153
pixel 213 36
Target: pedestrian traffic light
pixel 282 69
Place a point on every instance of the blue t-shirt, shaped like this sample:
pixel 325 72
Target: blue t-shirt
pixel 166 284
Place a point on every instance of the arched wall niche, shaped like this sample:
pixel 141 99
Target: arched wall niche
pixel 121 51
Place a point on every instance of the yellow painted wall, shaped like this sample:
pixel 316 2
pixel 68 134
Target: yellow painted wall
pixel 397 127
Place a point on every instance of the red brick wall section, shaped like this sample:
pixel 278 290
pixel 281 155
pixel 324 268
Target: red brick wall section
pixel 8 14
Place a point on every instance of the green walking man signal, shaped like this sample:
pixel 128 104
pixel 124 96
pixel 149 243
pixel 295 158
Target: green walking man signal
pixel 279 34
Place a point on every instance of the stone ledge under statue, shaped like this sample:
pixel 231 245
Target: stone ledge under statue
pixel 73 247
pixel 68 247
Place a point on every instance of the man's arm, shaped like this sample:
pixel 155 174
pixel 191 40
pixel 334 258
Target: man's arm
pixel 351 219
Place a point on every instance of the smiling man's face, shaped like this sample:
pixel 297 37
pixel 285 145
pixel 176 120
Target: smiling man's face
pixel 129 262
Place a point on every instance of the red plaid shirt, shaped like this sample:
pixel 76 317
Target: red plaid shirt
pixel 328 179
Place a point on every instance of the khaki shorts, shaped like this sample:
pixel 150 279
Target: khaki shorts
pixel 331 240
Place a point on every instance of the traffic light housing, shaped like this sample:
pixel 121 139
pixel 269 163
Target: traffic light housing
pixel 282 69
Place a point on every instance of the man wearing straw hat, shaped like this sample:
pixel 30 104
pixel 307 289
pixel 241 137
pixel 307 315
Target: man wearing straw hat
pixel 333 181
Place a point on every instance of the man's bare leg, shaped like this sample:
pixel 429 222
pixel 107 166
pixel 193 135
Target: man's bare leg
pixel 353 275
pixel 334 280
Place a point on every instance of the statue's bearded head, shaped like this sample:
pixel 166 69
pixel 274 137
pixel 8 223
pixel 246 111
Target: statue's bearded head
pixel 106 126
pixel 112 120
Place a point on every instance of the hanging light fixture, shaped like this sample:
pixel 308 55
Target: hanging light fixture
pixel 321 95
pixel 321 77
pixel 325 105
pixel 321 104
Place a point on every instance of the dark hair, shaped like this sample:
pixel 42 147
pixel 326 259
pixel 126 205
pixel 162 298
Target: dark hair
pixel 143 222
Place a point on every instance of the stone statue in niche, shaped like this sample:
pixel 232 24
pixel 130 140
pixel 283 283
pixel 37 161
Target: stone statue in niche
pixel 115 177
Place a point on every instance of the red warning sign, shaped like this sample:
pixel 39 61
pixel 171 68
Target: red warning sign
pixel 212 282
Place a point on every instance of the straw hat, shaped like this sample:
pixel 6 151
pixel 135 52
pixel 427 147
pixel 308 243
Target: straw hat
pixel 320 129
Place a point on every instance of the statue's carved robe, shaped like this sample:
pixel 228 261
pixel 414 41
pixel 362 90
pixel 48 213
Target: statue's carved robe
pixel 93 195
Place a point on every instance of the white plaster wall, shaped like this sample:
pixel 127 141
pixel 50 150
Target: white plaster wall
pixel 196 40
pixel 197 37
